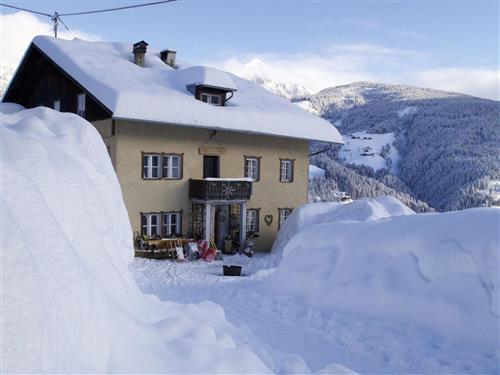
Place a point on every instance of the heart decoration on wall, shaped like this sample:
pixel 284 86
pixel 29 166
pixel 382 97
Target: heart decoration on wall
pixel 268 219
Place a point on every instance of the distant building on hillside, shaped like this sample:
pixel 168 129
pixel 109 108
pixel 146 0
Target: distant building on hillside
pixel 198 152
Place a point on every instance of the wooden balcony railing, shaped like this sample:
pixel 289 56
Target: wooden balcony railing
pixel 220 189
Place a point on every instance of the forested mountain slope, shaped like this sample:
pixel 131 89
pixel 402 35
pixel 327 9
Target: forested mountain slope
pixel 448 143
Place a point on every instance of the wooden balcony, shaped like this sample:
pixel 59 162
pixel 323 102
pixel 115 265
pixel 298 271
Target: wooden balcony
pixel 220 189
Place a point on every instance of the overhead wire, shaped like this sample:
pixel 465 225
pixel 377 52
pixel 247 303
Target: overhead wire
pixel 118 8
pixel 56 17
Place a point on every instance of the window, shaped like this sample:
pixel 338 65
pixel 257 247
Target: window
pixel 252 168
pixel 161 224
pixel 172 166
pixel 286 170
pixel 159 165
pixel 151 166
pixel 171 224
pixel 283 215
pixel 252 220
pixel 210 98
pixel 57 105
pixel 150 224
pixel 80 107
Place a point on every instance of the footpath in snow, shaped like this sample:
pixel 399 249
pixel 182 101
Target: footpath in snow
pixel 69 303
pixel 369 285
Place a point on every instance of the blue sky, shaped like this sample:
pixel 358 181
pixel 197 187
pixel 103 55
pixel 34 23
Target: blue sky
pixel 443 44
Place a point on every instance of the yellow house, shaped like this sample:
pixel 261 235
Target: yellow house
pixel 198 152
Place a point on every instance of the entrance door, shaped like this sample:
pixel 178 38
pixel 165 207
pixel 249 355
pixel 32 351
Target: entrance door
pixel 211 166
pixel 221 227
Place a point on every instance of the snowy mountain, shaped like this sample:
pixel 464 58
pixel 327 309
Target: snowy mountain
pixel 267 76
pixel 447 143
pixel 283 89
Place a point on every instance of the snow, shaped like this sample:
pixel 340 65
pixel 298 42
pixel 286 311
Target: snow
pixel 368 286
pixel 306 106
pixel 68 300
pixel 362 148
pixel 202 75
pixel 315 171
pixel 248 179
pixel 158 93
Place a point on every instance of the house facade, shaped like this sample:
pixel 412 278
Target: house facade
pixel 198 152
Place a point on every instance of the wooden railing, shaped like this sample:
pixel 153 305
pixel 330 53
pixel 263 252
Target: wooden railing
pixel 220 190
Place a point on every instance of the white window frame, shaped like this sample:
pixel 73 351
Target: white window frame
pixel 210 98
pixel 170 229
pixel 252 220
pixel 81 104
pixel 148 227
pixel 57 105
pixel 252 166
pixel 284 213
pixel 148 167
pixel 173 173
pixel 286 170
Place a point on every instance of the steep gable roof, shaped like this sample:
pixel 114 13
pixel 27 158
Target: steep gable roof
pixel 158 93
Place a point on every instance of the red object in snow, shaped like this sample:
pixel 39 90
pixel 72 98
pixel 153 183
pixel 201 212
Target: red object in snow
pixel 209 254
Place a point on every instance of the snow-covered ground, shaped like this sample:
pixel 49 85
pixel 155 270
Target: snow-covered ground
pixel 368 286
pixel 362 148
pixel 68 300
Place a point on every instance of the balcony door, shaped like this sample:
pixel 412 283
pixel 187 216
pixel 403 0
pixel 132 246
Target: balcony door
pixel 211 166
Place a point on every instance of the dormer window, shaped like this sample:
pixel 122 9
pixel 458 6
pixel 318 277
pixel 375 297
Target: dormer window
pixel 213 99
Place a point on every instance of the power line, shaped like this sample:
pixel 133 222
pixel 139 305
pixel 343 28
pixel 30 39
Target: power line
pixel 56 17
pixel 119 8
pixel 26 10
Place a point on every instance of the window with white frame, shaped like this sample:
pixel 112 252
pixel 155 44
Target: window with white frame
pixel 252 168
pixel 171 224
pixel 57 105
pixel 150 224
pixel 286 170
pixel 283 215
pixel 80 105
pixel 252 222
pixel 172 166
pixel 213 99
pixel 151 166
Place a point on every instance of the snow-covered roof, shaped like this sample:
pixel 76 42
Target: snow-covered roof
pixel 158 93
pixel 203 75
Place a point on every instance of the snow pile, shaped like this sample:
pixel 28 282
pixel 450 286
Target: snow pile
pixel 158 93
pixel 68 301
pixel 328 212
pixel 435 273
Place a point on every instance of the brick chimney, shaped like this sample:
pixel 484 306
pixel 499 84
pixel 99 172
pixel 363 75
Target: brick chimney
pixel 139 51
pixel 168 57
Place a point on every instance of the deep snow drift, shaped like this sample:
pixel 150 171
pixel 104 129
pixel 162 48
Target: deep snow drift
pixel 69 303
pixel 435 273
pixel 368 285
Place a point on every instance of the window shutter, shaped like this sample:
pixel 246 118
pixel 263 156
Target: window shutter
pixel 164 168
pixel 292 168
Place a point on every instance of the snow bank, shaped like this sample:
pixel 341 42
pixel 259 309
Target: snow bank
pixel 436 272
pixel 68 301
pixel 327 212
